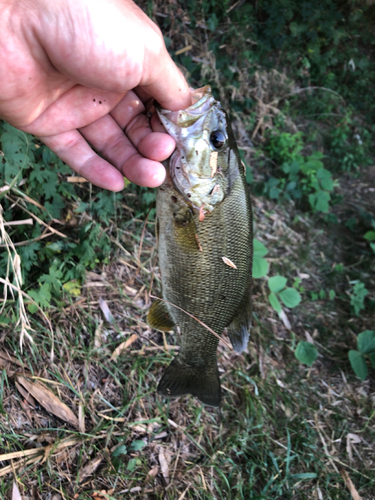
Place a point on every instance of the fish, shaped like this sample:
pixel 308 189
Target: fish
pixel 204 233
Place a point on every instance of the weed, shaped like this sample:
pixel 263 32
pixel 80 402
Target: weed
pixel 295 81
pixel 366 347
pixel 289 296
pixel 357 296
pixel 306 352
pixel 304 177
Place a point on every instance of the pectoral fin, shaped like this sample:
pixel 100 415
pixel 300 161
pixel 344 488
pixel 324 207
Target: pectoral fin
pixel 239 328
pixel 158 317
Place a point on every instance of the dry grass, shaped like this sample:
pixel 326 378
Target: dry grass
pixel 14 270
pixel 314 421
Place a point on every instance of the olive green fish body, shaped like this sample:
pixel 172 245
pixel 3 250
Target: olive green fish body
pixel 205 259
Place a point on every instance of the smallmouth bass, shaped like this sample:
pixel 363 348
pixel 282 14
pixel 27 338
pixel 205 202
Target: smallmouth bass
pixel 204 229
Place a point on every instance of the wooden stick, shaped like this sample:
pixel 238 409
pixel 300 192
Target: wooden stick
pixel 28 242
pixel 181 51
pixel 42 222
pixel 76 179
pixel 19 222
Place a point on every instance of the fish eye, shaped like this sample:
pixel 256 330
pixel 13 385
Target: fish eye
pixel 218 139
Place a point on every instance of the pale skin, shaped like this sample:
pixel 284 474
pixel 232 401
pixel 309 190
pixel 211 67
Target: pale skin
pixel 79 75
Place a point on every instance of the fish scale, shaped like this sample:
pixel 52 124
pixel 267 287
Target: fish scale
pixel 194 276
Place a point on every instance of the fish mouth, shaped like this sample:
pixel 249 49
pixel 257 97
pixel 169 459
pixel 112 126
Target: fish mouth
pixel 184 124
pixel 190 167
pixel 176 122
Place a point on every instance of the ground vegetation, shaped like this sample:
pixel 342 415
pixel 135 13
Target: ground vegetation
pixel 79 416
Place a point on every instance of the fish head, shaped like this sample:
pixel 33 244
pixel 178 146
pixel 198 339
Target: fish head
pixel 198 166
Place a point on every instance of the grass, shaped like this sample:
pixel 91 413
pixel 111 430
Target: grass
pixel 284 430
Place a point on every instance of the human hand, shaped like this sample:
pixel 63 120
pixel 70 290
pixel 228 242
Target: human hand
pixel 80 72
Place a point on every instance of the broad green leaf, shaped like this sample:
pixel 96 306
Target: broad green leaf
pixel 285 167
pixel 317 155
pixel 116 462
pixel 312 200
pixel 14 143
pixel 277 283
pixel 311 166
pixel 322 201
pixel 120 450
pixel 370 236
pixel 55 208
pixel 366 342
pixel 358 296
pixel 291 168
pixel 29 255
pixel 274 193
pixel 274 301
pixel 57 246
pixel 291 297
pixel 260 267
pixel 358 362
pixel 53 278
pixel 137 445
pixel 372 245
pixel 296 193
pixel 259 249
pixel 372 359
pixel 212 22
pixel 273 182
pixel 15 146
pixel 306 353
pixel 359 289
pixel 325 179
pixel 42 296
pixel 314 183
pixel 32 308
pixel 73 287
pixel 131 464
pixel 295 167
pixel 40 175
pixel 4 320
pixel 82 206
pixel 322 206
pixel 50 186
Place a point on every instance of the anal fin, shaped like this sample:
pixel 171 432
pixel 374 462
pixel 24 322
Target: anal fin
pixel 158 317
pixel 239 328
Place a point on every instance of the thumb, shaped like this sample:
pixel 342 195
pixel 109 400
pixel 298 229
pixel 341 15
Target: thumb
pixel 111 45
pixel 164 81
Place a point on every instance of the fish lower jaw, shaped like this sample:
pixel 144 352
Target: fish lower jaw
pixel 206 198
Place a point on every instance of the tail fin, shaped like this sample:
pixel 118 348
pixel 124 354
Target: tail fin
pixel 181 378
